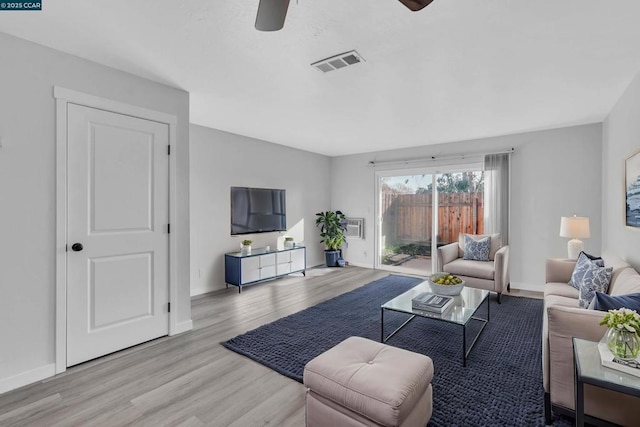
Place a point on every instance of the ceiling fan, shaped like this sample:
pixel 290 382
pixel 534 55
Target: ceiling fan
pixel 271 13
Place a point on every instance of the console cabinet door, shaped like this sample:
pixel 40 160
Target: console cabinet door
pixel 297 260
pixel 249 269
pixel 267 266
pixel 283 263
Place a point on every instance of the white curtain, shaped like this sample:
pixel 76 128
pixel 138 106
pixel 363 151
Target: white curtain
pixel 496 195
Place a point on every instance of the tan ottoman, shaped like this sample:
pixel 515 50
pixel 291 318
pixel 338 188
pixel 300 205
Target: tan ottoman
pixel 361 382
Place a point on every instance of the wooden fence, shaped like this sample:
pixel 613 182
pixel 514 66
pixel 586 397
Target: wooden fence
pixel 408 218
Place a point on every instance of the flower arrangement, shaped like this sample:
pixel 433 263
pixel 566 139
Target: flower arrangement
pixel 622 318
pixel 622 337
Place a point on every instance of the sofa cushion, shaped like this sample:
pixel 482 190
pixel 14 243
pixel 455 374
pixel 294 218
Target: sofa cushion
pixel 479 269
pixel 582 266
pixel 476 250
pixel 496 243
pixel 561 289
pixel 595 279
pixel 627 281
pixel 604 302
pixel 563 301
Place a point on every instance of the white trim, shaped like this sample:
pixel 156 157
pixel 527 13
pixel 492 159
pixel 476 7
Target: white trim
pixel 61 237
pixel 182 327
pixel 526 287
pixel 201 290
pixel 26 378
pixel 173 235
pixel 80 98
pixel 63 98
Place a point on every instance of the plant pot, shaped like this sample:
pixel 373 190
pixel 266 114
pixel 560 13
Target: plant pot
pixel 245 250
pixel 331 257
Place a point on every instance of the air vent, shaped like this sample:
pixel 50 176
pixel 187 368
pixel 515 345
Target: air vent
pixel 338 61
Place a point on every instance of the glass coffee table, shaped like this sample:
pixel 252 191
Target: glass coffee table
pixel 462 311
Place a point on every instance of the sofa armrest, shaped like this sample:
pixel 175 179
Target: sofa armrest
pixel 564 323
pixel 446 254
pixel 570 322
pixel 559 270
pixel 501 268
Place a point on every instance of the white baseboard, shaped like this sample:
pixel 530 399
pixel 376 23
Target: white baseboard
pixel 183 327
pixel 201 290
pixel 357 264
pixel 527 287
pixel 28 377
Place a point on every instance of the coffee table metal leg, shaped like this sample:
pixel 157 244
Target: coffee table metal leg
pixel 381 324
pixel 488 307
pixel 464 346
pixel 579 398
pixel 388 337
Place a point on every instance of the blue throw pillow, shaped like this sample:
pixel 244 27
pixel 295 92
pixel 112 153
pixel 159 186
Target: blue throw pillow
pixel 582 265
pixel 604 302
pixel 595 279
pixel 477 250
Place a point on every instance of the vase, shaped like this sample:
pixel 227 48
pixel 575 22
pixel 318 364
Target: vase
pixel 623 344
pixel 245 249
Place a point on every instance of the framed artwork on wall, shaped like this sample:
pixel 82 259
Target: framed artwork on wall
pixel 632 190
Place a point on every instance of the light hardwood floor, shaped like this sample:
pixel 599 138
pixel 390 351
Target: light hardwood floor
pixel 189 379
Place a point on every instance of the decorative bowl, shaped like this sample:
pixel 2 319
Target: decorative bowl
pixel 450 290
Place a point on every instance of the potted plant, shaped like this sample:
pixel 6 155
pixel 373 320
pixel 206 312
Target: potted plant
pixel 332 228
pixel 288 242
pixel 246 246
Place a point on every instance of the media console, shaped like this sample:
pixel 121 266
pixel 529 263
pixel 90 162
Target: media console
pixel 260 265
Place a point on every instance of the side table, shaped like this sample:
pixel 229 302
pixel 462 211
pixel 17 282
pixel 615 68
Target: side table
pixel 589 370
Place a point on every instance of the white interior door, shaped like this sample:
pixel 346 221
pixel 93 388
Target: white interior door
pixel 117 233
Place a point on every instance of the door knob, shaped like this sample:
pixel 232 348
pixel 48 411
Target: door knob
pixel 77 247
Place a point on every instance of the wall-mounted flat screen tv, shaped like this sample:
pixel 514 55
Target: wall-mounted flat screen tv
pixel 257 210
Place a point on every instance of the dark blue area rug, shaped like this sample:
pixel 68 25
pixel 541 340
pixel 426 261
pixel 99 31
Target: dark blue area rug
pixel 501 385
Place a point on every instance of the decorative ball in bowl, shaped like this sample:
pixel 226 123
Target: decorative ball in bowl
pixel 446 284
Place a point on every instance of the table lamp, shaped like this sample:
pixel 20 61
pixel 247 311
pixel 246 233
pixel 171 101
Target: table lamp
pixel 574 227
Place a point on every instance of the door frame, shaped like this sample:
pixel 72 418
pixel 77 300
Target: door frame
pixel 64 97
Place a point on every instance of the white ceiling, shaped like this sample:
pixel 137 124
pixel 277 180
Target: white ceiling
pixel 457 70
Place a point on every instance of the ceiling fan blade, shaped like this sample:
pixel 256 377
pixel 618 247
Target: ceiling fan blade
pixel 271 14
pixel 416 5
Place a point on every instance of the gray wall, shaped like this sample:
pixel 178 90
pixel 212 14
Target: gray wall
pixel 621 140
pixel 554 173
pixel 28 73
pixel 220 160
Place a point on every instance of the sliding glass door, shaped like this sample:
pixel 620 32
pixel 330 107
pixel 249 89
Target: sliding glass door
pixel 406 223
pixel 420 210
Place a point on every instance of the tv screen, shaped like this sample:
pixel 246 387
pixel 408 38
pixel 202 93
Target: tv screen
pixel 257 210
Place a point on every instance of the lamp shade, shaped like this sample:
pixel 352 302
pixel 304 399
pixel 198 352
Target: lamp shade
pixel 574 227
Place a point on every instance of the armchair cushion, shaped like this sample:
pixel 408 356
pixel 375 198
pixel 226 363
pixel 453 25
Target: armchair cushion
pixel 476 250
pixel 479 269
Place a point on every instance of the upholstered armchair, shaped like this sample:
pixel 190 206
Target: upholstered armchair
pixel 491 274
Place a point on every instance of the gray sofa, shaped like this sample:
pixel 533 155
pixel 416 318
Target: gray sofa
pixel 563 320
pixel 492 275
